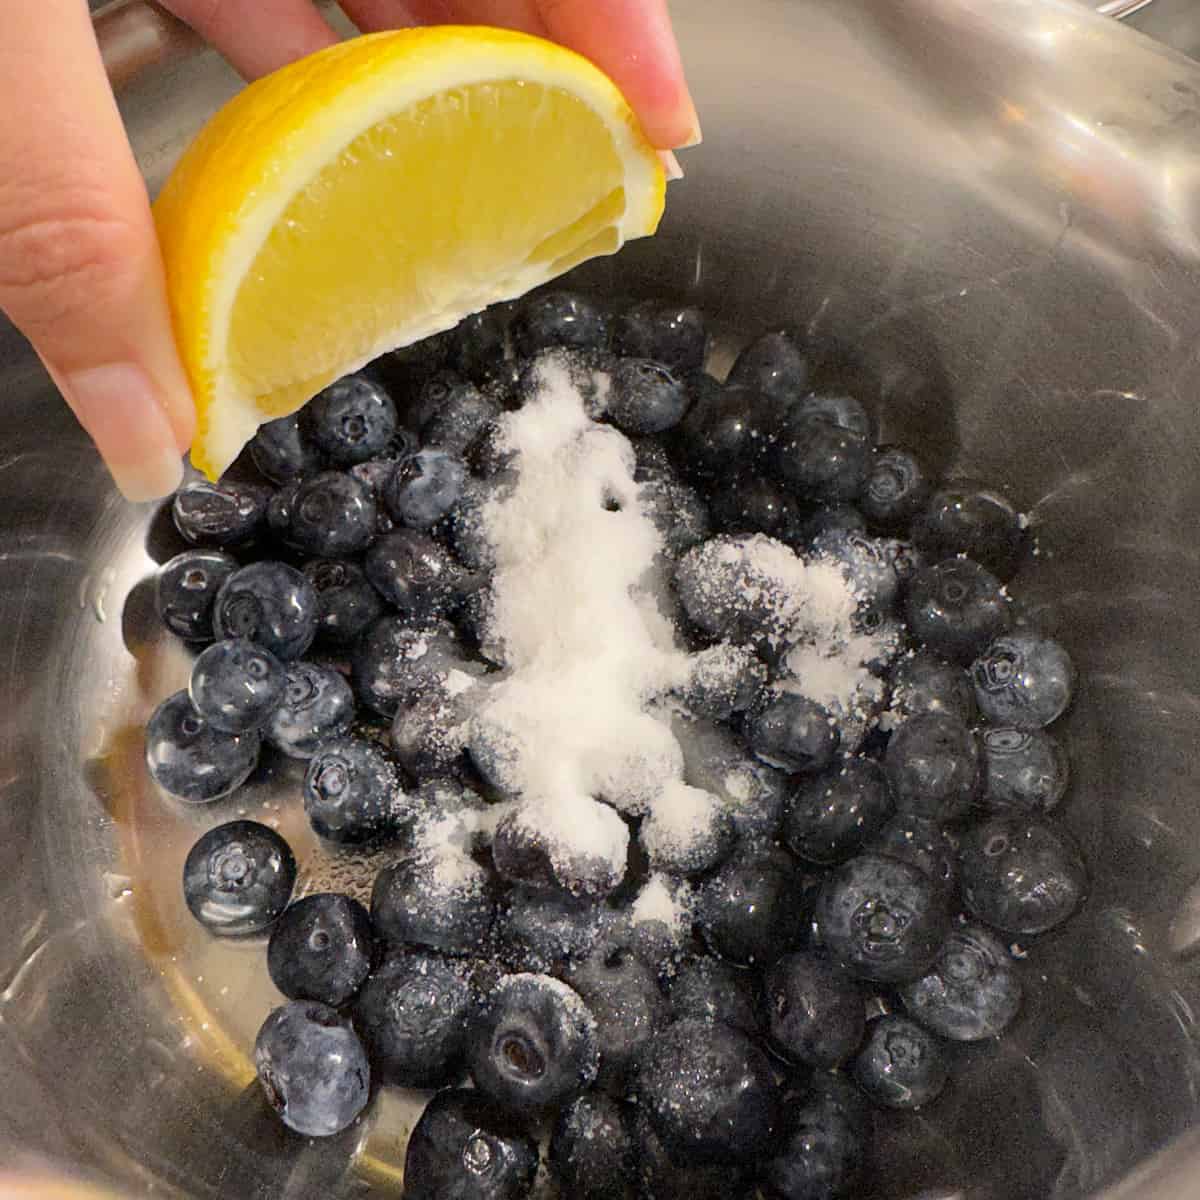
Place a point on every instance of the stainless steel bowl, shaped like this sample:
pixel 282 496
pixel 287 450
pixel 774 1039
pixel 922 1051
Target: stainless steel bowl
pixel 998 200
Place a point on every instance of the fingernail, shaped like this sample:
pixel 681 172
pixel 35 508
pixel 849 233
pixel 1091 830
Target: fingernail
pixel 695 137
pixel 670 165
pixel 122 412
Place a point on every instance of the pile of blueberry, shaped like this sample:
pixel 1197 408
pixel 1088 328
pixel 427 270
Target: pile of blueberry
pixel 851 917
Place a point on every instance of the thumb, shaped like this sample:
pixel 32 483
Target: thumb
pixel 80 270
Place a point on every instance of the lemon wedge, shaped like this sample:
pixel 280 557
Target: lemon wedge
pixel 376 193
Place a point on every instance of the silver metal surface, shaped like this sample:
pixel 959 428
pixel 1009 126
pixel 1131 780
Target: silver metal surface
pixel 999 201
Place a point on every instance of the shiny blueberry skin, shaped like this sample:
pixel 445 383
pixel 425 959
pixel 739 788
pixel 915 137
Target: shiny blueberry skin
pixel 933 766
pixel 350 421
pixel 412 1015
pixel 558 319
pixel 346 602
pixel 396 662
pixel 902 1065
pixel 895 490
pixel 532 1044
pixel 710 1094
pixel 882 918
pixel 866 563
pixel 465 1147
pixel 828 816
pixel 317 707
pixel 675 337
pixel 726 431
pixel 794 734
pixel 922 843
pixel 1021 876
pixel 423 489
pixel 478 341
pixel 1024 770
pixel 774 365
pixel 190 759
pixel 924 683
pixel 462 422
pixel 971 992
pixel 662 1178
pixel 592 1152
pixel 321 949
pixel 1023 680
pixel 821 450
pixel 186 588
pixel 814 1012
pixel 236 685
pixel 753 504
pixel 645 396
pixel 282 451
pixel 333 516
pixel 544 931
pixel 427 901
pixel 271 604
pixel 414 574
pixel 350 791
pixel 312 1068
pixel 723 680
pixel 427 740
pixel 238 878
pixel 711 990
pixel 966 517
pixel 220 514
pixel 431 398
pixel 279 509
pixel 956 608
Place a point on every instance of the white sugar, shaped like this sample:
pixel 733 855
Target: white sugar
pixel 666 902
pixel 680 822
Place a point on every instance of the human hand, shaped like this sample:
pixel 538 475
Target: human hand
pixel 80 271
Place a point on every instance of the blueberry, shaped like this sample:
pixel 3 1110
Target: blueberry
pixel 312 1068
pixel 722 680
pixel 710 1094
pixel 457 814
pixel 793 733
pixel 1021 876
pixel 866 563
pixel 186 588
pixel 1023 680
pixel 688 831
pixel 677 511
pixel 412 1014
pixel 895 489
pixel 676 337
pixel 417 361
pixel 443 901
pixel 220 514
pixel 902 1065
pixel 814 1012
pixel 662 1178
pixel 1025 770
pixel 972 519
pixel 190 759
pixel 544 931
pixel 333 515
pixel 922 843
pixel 753 504
pixel 279 509
pixel 558 319
pixel 464 1147
pixel 592 1152
pixel 413 573
pixel 317 707
pixel 351 791
pixel 726 431
pixel 532 1045
pixel 829 816
pixel 956 608
pixel 271 604
pixel 346 602
pixel 351 420
pixel 645 396
pixel 924 683
pixel 321 949
pixel 882 918
pixel 282 451
pixel 236 685
pixel 396 662
pixel 425 488
pixel 589 372
pixel 752 910
pixel 708 989
pixel 774 365
pixel 238 878
pixel 822 450
pixel 932 764
pixel 971 992
pixel 479 341
pixel 833 520
pixel 622 994
pixel 465 529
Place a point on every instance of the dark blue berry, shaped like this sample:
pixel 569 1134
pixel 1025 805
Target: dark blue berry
pixel 351 420
pixel 282 451
pixel 523 852
pixel 478 341
pixel 424 488
pixel 932 764
pixel 589 372
pixel 532 1045
pixel 865 562
pixel 445 902
pixel 1023 770
pixel 922 843
pixel 710 1094
pixel 924 683
pixel 833 520
pixel 346 602
pixel 279 509
pixel 462 423
pixel 895 489
pixel 687 832
pixel 1023 680
pixel 663 1178
pixel 190 759
pixel 723 680
pixel 882 918
pixel 774 366
pixel 902 1065
pixel 351 791
pixel 271 604
pixel 711 990
pixel 971 992
pixel 814 1011
pixel 558 319
pixel 544 931
pixel 333 515
pixel 236 685
pixel 321 949
pixel 312 1068
pixel 1021 876
pixel 433 396
pixel 592 1152
pixel 220 514
pixel 829 816
pixel 677 511
pixel 428 736
pixel 414 574
pixel 820 450
pixel 753 504
pixel 186 588
pixel 793 733
pixel 412 1014
pixel 465 527
pixel 464 1147
pixel 956 608
pixel 645 396
pixel 238 878
pixel 396 662
pixel 675 337
pixel 726 431
pixel 317 707
pixel 969 518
